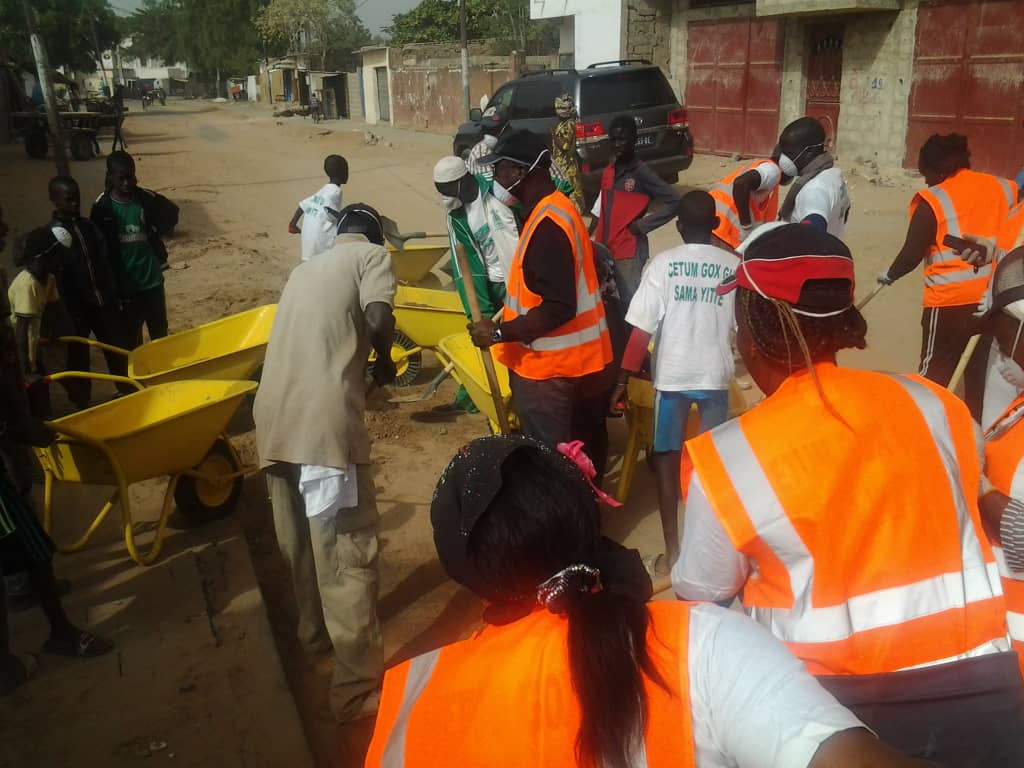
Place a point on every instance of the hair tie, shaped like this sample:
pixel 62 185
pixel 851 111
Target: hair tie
pixel 575 453
pixel 553 593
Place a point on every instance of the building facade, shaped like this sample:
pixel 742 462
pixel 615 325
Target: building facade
pixel 881 75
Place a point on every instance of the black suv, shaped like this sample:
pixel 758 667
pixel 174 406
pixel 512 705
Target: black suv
pixel 601 91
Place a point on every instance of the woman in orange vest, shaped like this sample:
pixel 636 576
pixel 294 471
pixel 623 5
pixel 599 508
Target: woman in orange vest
pixel 747 197
pixel 843 510
pixel 574 667
pixel 957 200
pixel 1002 500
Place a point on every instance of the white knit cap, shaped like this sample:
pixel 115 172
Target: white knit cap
pixel 449 169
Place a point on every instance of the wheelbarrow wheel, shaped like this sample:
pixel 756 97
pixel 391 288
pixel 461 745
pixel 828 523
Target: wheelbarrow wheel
pixel 200 499
pixel 407 366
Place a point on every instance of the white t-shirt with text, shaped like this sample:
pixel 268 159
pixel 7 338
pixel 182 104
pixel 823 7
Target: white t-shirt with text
pixel 692 324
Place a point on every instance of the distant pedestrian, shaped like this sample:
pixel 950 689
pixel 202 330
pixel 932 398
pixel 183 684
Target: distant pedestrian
pixel 677 305
pixel 127 218
pixel 319 224
pixel 314 107
pixel 622 221
pixel 87 286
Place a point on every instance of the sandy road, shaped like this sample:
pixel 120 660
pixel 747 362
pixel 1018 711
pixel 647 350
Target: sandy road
pixel 237 174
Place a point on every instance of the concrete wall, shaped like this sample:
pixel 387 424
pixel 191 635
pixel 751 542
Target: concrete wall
pixel 430 98
pixel 373 59
pixel 780 7
pixel 878 66
pixel 649 31
pixel 355 101
pixel 599 33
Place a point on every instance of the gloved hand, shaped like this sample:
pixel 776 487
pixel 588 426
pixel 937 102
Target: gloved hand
pixel 293 230
pixel 884 279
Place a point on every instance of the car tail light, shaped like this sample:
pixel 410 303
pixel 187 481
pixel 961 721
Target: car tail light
pixel 589 130
pixel 679 117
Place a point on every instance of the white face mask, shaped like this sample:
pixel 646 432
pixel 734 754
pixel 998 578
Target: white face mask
pixel 450 203
pixel 503 195
pixel 788 167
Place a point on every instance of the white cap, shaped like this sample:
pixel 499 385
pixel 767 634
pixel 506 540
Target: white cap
pixel 449 169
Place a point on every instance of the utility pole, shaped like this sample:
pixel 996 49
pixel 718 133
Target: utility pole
pixel 465 56
pixel 60 152
pixel 99 58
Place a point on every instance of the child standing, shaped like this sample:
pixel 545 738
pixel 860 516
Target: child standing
pixel 128 223
pixel 87 287
pixel 693 327
pixel 319 226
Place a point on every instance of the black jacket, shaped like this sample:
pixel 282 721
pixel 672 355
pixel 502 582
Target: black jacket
pixel 87 277
pixel 155 208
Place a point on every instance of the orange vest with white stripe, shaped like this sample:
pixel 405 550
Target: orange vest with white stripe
pixel 1011 231
pixel 1004 467
pixel 578 347
pixel 765 209
pixel 967 202
pixel 864 537
pixel 504 699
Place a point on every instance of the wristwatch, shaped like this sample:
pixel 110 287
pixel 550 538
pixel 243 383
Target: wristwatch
pixel 496 336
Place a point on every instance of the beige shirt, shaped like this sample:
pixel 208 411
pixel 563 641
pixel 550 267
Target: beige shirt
pixel 310 404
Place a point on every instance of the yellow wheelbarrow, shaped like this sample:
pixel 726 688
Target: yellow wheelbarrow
pixel 172 429
pixel 468 369
pixel 231 348
pixel 423 316
pixel 414 262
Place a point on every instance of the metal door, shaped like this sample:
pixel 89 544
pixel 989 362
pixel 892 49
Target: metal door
pixel 825 76
pixel 968 77
pixel 383 98
pixel 734 85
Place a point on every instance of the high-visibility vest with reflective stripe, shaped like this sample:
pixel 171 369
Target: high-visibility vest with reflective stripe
pixel 1011 231
pixel 1004 467
pixel 765 209
pixel 864 537
pixel 504 699
pixel 578 347
pixel 967 202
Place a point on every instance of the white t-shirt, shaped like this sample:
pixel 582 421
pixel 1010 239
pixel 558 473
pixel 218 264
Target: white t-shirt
pixel 495 232
pixel 827 196
pixel 752 702
pixel 319 228
pixel 677 301
pixel 771 177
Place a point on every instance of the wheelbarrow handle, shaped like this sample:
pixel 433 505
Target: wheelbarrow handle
pixel 88 342
pixel 65 375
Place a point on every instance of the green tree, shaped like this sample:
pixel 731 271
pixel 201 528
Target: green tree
pixel 70 29
pixel 329 29
pixel 437 21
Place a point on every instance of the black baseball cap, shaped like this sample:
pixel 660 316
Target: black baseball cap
pixel 522 147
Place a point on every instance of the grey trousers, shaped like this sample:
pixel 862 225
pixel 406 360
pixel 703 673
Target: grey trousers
pixel 333 560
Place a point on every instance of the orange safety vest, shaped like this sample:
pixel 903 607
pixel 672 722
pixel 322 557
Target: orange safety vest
pixel 578 347
pixel 864 537
pixel 504 699
pixel 767 209
pixel 1011 231
pixel 967 202
pixel 1004 467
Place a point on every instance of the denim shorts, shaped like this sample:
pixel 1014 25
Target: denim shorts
pixel 672 410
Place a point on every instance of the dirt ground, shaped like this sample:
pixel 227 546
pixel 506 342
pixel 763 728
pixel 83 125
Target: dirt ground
pixel 237 174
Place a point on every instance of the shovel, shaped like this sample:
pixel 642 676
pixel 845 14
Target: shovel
pixel 431 390
pixel 399 239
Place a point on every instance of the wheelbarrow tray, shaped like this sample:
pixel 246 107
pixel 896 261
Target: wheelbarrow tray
pixel 414 263
pixel 160 430
pixel 468 370
pixel 231 348
pixel 427 315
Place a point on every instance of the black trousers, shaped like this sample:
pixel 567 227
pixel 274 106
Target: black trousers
pixel 147 308
pixel 106 325
pixel 562 410
pixel 945 332
pixel 965 714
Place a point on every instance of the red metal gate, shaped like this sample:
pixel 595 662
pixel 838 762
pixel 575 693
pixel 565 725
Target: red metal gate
pixel 968 77
pixel 825 76
pixel 734 85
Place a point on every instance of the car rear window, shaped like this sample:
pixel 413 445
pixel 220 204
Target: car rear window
pixel 624 91
pixel 536 98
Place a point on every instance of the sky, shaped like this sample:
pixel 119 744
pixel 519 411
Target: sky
pixel 374 13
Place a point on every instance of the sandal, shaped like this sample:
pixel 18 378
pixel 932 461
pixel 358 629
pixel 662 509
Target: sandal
pixel 83 645
pixel 20 667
